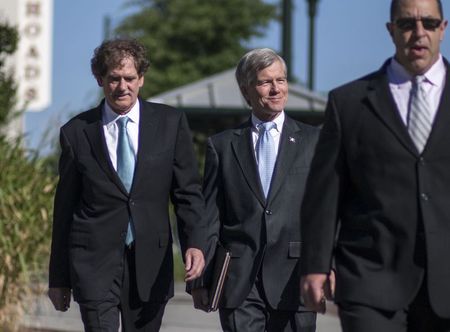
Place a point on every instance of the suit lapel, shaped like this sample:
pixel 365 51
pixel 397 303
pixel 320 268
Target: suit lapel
pixel 148 123
pixel 441 122
pixel 290 145
pixel 245 155
pixel 96 138
pixel 383 103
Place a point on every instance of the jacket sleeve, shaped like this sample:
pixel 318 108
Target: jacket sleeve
pixel 211 192
pixel 66 199
pixel 186 191
pixel 320 205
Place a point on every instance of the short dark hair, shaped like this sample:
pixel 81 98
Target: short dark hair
pixel 395 4
pixel 111 53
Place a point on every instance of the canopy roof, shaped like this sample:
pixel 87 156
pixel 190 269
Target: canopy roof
pixel 221 92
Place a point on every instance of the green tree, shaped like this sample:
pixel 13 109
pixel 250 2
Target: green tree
pixel 8 45
pixel 190 39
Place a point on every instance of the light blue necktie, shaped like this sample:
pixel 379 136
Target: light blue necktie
pixel 266 154
pixel 125 164
pixel 419 125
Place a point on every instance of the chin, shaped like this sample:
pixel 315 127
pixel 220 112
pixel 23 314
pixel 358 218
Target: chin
pixel 419 68
pixel 277 110
pixel 122 108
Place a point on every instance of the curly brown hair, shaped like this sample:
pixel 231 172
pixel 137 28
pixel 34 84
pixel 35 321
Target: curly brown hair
pixel 110 53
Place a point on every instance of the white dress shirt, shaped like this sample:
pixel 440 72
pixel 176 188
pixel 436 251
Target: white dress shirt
pixel 111 130
pixel 400 84
pixel 274 132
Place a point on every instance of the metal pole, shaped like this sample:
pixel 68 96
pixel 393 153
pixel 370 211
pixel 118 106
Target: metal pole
pixel 287 36
pixel 312 15
pixel 106 27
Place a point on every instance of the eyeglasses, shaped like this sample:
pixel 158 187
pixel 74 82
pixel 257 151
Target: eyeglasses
pixel 410 23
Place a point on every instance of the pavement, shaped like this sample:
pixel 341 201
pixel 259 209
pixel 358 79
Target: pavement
pixel 180 316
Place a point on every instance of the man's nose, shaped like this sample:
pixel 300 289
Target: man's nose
pixel 122 84
pixel 419 30
pixel 275 88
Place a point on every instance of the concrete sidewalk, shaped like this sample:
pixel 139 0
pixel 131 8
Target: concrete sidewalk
pixel 180 316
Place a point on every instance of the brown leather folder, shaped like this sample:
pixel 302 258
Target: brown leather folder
pixel 221 262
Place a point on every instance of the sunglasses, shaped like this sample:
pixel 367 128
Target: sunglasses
pixel 410 23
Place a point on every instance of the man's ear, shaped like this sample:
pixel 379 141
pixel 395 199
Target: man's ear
pixel 443 27
pixel 99 81
pixel 245 94
pixel 390 28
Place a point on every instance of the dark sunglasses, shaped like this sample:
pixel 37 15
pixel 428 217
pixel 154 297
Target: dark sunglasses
pixel 410 23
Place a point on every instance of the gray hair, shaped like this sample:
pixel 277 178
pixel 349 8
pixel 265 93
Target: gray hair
pixel 253 62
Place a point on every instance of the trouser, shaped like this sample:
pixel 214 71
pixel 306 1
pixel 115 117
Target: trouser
pixel 122 301
pixel 256 315
pixel 417 317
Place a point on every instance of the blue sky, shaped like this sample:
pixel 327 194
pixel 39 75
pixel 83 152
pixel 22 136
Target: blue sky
pixel 351 40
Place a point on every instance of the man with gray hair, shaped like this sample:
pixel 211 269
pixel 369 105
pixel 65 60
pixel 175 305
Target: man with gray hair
pixel 253 183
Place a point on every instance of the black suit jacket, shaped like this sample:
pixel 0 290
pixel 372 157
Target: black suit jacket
pixel 92 207
pixel 261 234
pixel 393 204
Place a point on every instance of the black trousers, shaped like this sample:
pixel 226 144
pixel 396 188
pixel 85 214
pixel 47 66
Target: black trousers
pixel 122 301
pixel 256 315
pixel 417 317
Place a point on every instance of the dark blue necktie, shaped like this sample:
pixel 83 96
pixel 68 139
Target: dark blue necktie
pixel 125 164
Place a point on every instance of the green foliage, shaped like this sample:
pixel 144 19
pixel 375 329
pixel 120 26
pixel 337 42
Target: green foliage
pixel 8 44
pixel 8 40
pixel 26 195
pixel 191 39
pixel 27 187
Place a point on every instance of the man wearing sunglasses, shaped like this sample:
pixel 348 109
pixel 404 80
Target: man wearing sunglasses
pixel 379 187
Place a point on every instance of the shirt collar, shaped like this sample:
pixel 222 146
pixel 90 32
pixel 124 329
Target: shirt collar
pixel 435 75
pixel 279 121
pixel 109 116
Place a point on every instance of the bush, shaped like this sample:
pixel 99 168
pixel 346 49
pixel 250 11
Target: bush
pixel 27 187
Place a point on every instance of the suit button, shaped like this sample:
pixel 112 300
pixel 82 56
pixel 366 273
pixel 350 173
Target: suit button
pixel 131 202
pixel 421 161
pixel 424 197
pixel 269 212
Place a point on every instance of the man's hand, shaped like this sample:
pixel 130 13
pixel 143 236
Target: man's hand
pixel 60 298
pixel 195 262
pixel 201 299
pixel 330 286
pixel 313 289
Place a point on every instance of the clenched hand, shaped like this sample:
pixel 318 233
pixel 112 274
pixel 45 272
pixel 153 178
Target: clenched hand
pixel 195 262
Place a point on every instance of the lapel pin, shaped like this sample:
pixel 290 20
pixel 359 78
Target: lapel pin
pixel 291 139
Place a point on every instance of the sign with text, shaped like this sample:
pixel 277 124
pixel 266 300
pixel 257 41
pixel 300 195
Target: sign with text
pixel 32 61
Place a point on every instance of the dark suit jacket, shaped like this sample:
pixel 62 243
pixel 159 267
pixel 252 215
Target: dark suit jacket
pixel 260 233
pixel 393 203
pixel 92 207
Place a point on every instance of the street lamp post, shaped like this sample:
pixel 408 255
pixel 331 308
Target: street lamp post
pixel 312 11
pixel 287 36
